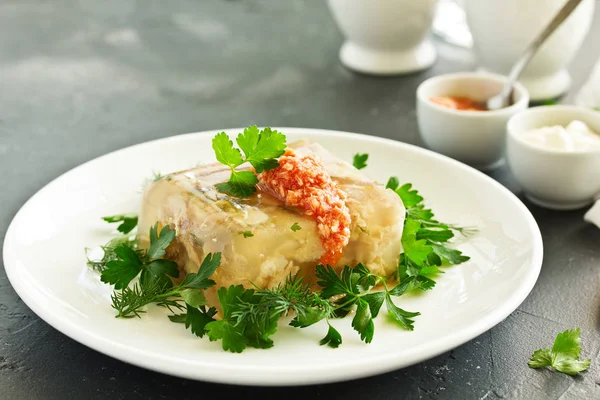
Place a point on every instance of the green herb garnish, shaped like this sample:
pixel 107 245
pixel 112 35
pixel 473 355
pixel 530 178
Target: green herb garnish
pixel 360 160
pixel 250 316
pixel 564 355
pixel 128 221
pixel 261 149
pixel 424 238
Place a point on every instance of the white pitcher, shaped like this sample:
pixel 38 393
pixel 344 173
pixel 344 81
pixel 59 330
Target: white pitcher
pixel 385 37
pixel 502 29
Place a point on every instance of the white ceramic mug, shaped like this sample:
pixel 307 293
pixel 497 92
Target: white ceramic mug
pixel 385 37
pixel 502 29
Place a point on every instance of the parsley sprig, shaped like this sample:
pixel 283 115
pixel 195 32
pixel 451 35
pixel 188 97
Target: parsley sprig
pixel 261 149
pixel 155 283
pixel 250 316
pixel 424 239
pixel 564 355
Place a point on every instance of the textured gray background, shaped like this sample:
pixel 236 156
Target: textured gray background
pixel 82 78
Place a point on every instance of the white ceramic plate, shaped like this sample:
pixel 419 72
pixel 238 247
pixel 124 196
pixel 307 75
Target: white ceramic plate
pixel 45 262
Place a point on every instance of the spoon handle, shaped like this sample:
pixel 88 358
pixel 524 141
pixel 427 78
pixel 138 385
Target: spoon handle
pixel 529 52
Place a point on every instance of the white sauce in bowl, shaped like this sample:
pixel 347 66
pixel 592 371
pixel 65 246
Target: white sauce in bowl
pixel 576 136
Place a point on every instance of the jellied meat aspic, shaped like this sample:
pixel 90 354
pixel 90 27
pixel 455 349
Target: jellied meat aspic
pixel 254 235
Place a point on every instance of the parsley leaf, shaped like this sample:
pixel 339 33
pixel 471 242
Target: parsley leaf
pixel 332 339
pixel 231 336
pixel 246 234
pixel 416 250
pixel 423 239
pixel 295 227
pixel 201 279
pixel 128 221
pixel 392 183
pixel 240 184
pixel 564 355
pixel 403 318
pixel 261 149
pixel 227 330
pixel 451 255
pixel 197 319
pixel 193 297
pixel 178 318
pixel 363 321
pixel 121 271
pixel 160 242
pixel 375 301
pixel 360 160
pixel 159 271
pixel 225 152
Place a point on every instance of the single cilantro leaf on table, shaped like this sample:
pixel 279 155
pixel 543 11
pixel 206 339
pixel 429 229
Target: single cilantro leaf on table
pixel 295 227
pixel 128 221
pixel 564 355
pixel 360 160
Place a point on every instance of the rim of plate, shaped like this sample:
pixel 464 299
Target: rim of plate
pixel 315 374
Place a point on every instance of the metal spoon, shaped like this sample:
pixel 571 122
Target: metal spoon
pixel 504 98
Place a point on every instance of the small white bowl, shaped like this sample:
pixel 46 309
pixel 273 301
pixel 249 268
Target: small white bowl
pixel 475 137
pixel 554 179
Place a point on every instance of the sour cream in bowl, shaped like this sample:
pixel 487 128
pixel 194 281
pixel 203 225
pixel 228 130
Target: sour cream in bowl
pixel 554 153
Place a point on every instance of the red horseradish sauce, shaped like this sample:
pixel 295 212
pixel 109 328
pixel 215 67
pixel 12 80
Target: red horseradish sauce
pixel 304 183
